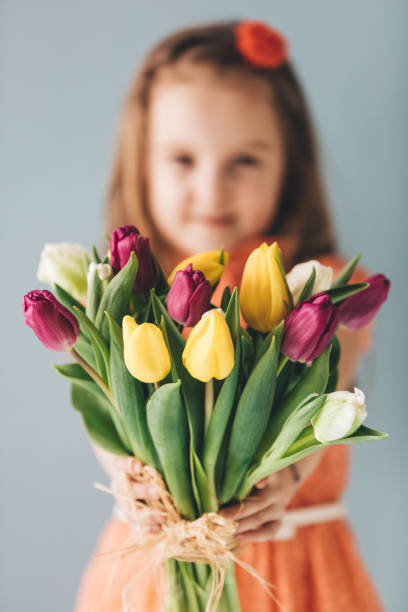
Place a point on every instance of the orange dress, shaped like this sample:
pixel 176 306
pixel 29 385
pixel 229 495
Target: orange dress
pixel 319 569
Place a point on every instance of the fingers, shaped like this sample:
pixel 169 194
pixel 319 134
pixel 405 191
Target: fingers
pixel 269 480
pixel 123 485
pixel 265 533
pixel 258 520
pixel 254 504
pixel 148 520
pixel 130 465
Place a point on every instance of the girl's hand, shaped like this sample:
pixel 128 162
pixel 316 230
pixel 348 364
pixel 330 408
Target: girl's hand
pixel 260 515
pixel 123 482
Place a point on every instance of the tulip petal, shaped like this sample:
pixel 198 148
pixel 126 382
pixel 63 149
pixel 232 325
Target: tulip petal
pixel 209 351
pixel 145 352
pixel 53 324
pixel 208 262
pixel 264 294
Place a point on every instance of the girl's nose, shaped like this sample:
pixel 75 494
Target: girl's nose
pixel 210 189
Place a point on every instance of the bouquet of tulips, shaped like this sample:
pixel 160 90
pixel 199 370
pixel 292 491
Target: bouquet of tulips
pixel 211 414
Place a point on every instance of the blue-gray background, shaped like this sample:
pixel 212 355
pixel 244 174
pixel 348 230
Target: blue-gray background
pixel 64 69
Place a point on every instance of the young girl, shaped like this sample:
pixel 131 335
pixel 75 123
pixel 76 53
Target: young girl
pixel 216 148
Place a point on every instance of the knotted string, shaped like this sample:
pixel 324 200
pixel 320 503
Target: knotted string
pixel 208 539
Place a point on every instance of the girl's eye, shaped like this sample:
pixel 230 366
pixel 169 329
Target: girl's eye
pixel 183 160
pixel 246 160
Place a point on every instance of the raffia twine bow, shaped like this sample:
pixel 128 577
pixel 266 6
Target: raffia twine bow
pixel 208 539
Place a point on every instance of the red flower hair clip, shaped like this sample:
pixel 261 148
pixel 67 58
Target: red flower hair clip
pixel 261 45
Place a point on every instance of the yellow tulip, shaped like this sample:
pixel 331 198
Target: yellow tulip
pixel 145 352
pixel 209 351
pixel 208 262
pixel 264 296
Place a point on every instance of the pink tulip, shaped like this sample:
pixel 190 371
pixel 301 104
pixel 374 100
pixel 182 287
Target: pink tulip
pixel 123 241
pixel 360 309
pixel 189 296
pixel 53 324
pixel 309 328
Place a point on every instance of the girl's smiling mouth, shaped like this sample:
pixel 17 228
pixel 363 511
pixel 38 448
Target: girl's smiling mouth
pixel 213 221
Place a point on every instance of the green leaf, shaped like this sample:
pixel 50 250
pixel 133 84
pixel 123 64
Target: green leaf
pixel 232 317
pixel 282 271
pixel 200 481
pixel 76 374
pixel 192 389
pixel 314 380
pixel 94 295
pixel 226 296
pixel 195 464
pixel 285 378
pixel 99 345
pixel 217 427
pixel 333 363
pixel 346 273
pixel 337 295
pixel 95 412
pixel 67 300
pixel 362 434
pixel 84 348
pixel 248 355
pixel 95 254
pixel 116 298
pixel 263 344
pixel 167 421
pixel 251 417
pixel 162 286
pixel 308 288
pixel 294 425
pixel 130 400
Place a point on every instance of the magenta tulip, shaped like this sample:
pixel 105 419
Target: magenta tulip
pixel 309 328
pixel 53 324
pixel 123 241
pixel 189 296
pixel 360 309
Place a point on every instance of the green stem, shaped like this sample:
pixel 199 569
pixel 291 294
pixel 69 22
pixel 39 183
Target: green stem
pixel 209 402
pixel 94 375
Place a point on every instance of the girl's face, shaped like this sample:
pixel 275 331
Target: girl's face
pixel 215 161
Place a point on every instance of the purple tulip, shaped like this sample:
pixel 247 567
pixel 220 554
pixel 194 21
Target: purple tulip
pixel 189 296
pixel 53 324
pixel 123 241
pixel 309 328
pixel 360 309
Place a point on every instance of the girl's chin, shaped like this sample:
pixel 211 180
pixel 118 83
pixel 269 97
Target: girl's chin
pixel 209 240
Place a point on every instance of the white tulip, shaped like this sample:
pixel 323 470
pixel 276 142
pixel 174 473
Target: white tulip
pixel 299 275
pixel 341 414
pixel 65 264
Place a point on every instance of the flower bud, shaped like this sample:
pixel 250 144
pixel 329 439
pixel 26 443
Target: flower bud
pixel 65 264
pixel 341 415
pixel 209 350
pixel 189 296
pixel 53 324
pixel 264 295
pixel 309 328
pixel 145 351
pixel 123 241
pixel 299 275
pixel 360 309
pixel 104 271
pixel 207 262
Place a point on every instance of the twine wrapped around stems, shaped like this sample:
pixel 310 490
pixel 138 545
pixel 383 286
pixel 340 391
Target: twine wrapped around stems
pixel 208 539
